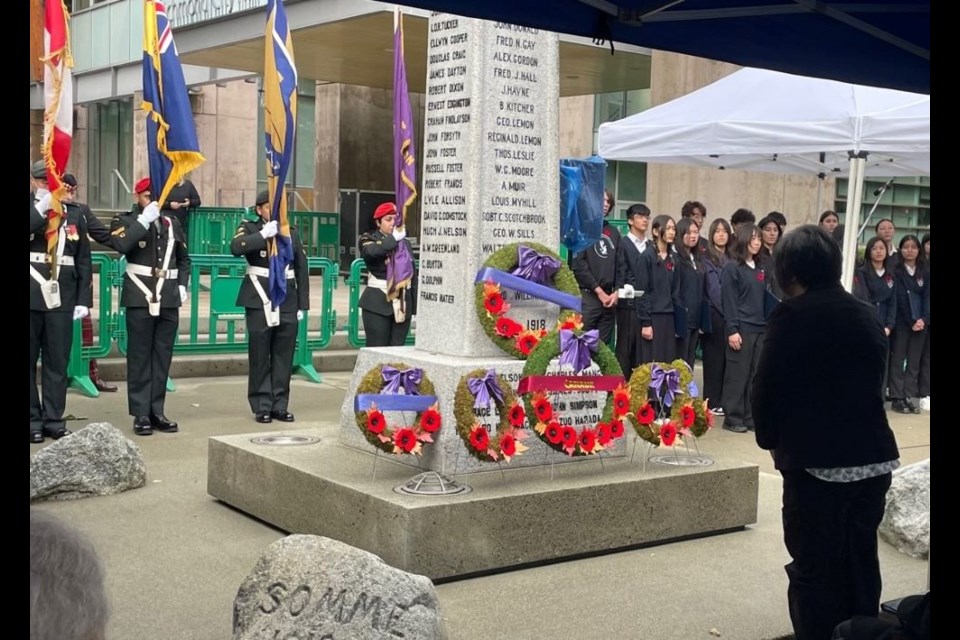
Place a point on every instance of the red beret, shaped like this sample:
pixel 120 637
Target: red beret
pixel 386 209
pixel 143 184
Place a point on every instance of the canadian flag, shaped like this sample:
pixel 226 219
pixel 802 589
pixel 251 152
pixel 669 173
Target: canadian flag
pixel 57 112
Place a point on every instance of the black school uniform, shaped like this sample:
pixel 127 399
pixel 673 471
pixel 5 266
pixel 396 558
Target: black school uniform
pixel 906 345
pixel 743 290
pixel 690 277
pixel 663 283
pixel 879 291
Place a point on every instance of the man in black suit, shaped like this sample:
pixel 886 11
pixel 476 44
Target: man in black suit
pixel 271 333
pixel 837 457
pixel 154 287
pixel 595 269
pixel 634 322
pixel 59 293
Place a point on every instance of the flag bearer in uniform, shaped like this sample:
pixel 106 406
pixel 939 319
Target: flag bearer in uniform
pixel 271 334
pixel 154 287
pixel 385 322
pixel 60 277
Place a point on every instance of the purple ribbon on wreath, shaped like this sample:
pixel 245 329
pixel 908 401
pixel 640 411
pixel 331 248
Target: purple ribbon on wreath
pixel 660 378
pixel 409 380
pixel 484 388
pixel 575 350
pixel 535 266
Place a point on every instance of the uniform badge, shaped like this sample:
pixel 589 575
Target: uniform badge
pixel 919 282
pixel 142 244
pixel 31 237
pixel 72 233
pixel 889 281
pixel 263 254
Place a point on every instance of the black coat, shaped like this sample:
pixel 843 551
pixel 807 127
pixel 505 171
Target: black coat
pixel 689 278
pixel 75 281
pixel 821 336
pixel 913 295
pixel 248 242
pixel 179 193
pixel 147 247
pixel 743 291
pixel 375 249
pixel 879 291
pixel 663 281
pixel 597 265
pixel 632 269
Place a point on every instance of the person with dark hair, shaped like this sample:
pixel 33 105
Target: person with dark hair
pixel 68 596
pixel 662 264
pixel 910 332
pixel 874 284
pixel 596 272
pixel 830 222
pixel 634 324
pixel 885 229
pixel 834 495
pixel 696 210
pixel 383 324
pixel 741 216
pixel 271 333
pixel 60 292
pixel 714 340
pixel 925 355
pixel 154 288
pixel 770 234
pixel 743 290
pixel 689 279
pixel 779 218
pixel 183 197
pixel 98 232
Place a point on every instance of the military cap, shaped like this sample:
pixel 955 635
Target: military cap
pixel 38 170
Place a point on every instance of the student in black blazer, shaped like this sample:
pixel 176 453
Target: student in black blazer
pixel 910 331
pixel 714 340
pixel 633 280
pixel 662 261
pixel 874 283
pixel 743 290
pixel 689 299
pixel 925 355
pixel 836 456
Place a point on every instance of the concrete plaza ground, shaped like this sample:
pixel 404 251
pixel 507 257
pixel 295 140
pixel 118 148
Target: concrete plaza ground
pixel 175 556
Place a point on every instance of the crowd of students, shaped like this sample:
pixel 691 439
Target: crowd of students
pixel 688 285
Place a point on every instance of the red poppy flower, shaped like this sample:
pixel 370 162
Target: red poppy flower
pixel 554 433
pixel 376 423
pixel 527 342
pixel 616 429
pixel 430 420
pixel 479 438
pixel 604 435
pixel 493 303
pixel 517 415
pixel 668 433
pixel 543 409
pixel 645 414
pixel 687 416
pixel 573 323
pixel 507 328
pixel 668 265
pixel 760 275
pixel 621 403
pixel 406 439
pixel 569 437
pixel 588 440
pixel 508 446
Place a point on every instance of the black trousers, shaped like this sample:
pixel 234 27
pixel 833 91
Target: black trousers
pixel 687 347
pixel 738 380
pixel 628 339
pixel 382 331
pixel 663 347
pixel 596 316
pixel 149 353
pixel 714 359
pixel 906 345
pixel 924 380
pixel 830 531
pixel 270 352
pixel 51 336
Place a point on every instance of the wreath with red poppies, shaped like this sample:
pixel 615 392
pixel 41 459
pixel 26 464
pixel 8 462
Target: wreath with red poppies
pixel 662 422
pixel 589 439
pixel 507 441
pixel 505 332
pixel 403 438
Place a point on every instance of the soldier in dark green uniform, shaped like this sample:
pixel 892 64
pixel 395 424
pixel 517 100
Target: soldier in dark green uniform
pixel 385 324
pixel 154 287
pixel 271 334
pixel 55 301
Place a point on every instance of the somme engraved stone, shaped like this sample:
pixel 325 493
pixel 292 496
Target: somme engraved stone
pixel 314 588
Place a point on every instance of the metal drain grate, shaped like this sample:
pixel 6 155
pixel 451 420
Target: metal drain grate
pixel 682 461
pixel 431 483
pixel 283 440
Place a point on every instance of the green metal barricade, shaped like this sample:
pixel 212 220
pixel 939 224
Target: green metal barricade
pixel 319 232
pixel 78 368
pixel 210 229
pixel 355 280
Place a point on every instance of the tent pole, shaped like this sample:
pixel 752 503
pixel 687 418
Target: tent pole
pixel 852 218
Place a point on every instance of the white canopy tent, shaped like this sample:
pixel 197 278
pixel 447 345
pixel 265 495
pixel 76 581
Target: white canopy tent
pixel 759 120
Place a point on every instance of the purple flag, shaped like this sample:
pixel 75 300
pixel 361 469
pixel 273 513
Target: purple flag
pixel 400 267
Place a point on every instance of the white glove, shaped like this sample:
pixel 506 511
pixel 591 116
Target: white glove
pixel 80 312
pixel 150 213
pixel 183 294
pixel 269 229
pixel 44 204
pixel 626 291
pixel 399 233
pixel 299 315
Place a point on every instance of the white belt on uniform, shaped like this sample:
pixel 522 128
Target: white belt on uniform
pixel 151 272
pixel 377 283
pixel 263 272
pixel 44 258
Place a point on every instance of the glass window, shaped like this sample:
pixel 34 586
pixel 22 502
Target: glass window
pixel 110 155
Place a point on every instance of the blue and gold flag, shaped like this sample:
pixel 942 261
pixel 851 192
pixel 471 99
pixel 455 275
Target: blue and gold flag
pixel 172 147
pixel 279 124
